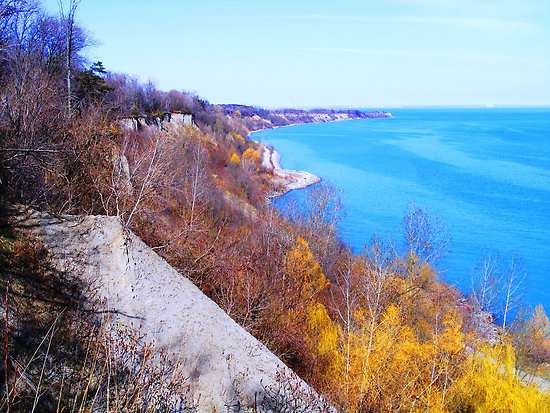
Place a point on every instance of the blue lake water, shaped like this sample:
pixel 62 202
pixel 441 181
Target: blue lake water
pixel 484 172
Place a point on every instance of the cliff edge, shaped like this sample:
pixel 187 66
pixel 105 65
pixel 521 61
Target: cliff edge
pixel 224 363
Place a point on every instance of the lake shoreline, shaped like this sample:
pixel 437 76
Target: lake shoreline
pixel 286 180
pixel 483 173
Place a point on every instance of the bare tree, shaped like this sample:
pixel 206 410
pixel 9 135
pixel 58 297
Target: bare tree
pixel 379 260
pixel 497 290
pixel 512 282
pixel 426 237
pixel 345 301
pixel 485 284
pixel 197 181
pixel 318 216
pixel 29 101
pixel 289 394
pixel 147 171
pixel 68 17
pixel 10 10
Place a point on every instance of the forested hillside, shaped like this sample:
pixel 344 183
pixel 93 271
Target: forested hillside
pixel 373 332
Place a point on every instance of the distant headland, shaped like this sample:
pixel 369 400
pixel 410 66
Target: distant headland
pixel 256 118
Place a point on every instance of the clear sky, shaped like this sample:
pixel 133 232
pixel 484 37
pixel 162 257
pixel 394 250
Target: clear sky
pixel 367 53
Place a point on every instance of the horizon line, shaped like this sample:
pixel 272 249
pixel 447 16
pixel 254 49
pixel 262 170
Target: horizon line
pixel 413 106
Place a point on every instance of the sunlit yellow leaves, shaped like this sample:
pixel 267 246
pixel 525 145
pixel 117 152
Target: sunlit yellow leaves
pixel 252 155
pixel 304 282
pixel 325 338
pixel 322 327
pixel 451 341
pixel 490 383
pixel 410 354
pixel 237 137
pixel 382 364
pixel 304 270
pixel 235 159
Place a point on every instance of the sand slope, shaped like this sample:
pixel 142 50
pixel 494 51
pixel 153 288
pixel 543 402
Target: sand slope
pixel 220 358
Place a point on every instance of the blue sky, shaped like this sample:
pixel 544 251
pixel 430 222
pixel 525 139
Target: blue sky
pixel 363 53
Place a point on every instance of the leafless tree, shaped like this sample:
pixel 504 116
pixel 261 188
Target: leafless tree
pixel 345 302
pixel 147 171
pixel 68 16
pixel 290 394
pixel 197 180
pixel 425 236
pixel 485 284
pixel 28 101
pixel 497 290
pixel 512 283
pixel 35 147
pixel 318 217
pixel 379 260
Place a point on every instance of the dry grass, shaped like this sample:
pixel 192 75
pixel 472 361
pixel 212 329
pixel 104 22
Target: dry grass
pixel 59 356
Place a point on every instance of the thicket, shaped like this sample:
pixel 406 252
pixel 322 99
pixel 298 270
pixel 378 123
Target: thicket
pixel 375 331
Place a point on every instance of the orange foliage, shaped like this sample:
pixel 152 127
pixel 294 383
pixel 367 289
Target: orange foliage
pixel 305 276
pixel 234 159
pixel 252 154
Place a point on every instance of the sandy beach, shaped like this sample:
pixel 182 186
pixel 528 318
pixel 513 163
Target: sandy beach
pixel 284 180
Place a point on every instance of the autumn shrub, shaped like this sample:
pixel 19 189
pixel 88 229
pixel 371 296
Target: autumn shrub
pixel 531 339
pixel 491 383
pixel 386 367
pixel 237 138
pixel 234 159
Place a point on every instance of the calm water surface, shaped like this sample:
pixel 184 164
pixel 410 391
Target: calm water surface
pixel 484 172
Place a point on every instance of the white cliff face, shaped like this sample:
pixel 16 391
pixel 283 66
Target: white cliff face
pixel 222 361
pixel 286 179
pixel 169 120
pixel 182 119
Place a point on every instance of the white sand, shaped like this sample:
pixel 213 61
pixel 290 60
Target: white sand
pixel 285 179
pixel 145 294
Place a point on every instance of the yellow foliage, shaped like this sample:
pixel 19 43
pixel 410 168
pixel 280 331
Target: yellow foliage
pixel 238 137
pixel 490 383
pixel 451 341
pixel 115 130
pixel 393 361
pixel 252 154
pixel 306 276
pixel 325 336
pixel 235 159
pixel 382 364
pixel 303 282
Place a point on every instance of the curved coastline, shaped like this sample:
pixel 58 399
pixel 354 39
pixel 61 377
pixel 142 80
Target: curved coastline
pixel 284 180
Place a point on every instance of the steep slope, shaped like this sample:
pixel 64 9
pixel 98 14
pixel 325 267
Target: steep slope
pixel 223 362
